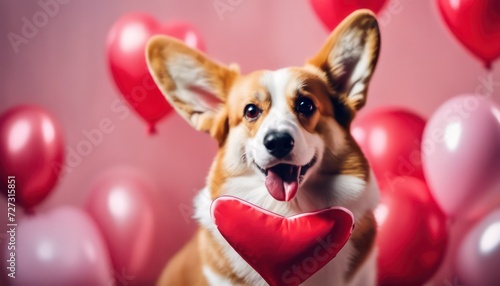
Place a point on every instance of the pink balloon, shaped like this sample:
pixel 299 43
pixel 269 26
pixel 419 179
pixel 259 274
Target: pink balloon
pixel 479 253
pixel 121 203
pixel 62 247
pixel 31 149
pixel 461 153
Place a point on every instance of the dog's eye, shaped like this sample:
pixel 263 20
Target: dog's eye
pixel 252 112
pixel 305 105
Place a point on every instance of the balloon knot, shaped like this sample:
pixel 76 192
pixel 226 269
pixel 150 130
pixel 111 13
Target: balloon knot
pixel 151 129
pixel 29 211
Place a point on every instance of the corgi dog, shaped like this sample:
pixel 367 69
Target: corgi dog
pixel 284 145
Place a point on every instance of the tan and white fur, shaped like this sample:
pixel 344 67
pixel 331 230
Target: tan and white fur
pixel 314 105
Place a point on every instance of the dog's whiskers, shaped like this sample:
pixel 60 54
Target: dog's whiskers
pixel 236 164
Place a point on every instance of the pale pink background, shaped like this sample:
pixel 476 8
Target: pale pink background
pixel 63 69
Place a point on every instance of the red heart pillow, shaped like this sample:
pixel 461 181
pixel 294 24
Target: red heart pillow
pixel 284 251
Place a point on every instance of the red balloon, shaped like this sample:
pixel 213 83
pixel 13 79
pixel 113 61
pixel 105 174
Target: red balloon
pixel 391 140
pixel 32 150
pixel 121 203
pixel 126 45
pixel 476 24
pixel 412 233
pixel 332 12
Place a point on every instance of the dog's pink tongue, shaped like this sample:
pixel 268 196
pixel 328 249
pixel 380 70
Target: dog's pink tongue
pixel 282 184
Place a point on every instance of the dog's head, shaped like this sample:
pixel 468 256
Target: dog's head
pixel 279 123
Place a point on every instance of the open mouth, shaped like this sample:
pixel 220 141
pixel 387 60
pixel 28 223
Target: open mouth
pixel 282 180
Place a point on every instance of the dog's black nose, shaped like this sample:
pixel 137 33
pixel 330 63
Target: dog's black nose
pixel 279 144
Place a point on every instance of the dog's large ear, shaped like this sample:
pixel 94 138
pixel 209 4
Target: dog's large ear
pixel 194 85
pixel 349 57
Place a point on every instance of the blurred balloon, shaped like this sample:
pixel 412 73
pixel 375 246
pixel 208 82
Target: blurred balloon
pixel 390 139
pixel 332 12
pixel 476 24
pixel 62 247
pixel 479 253
pixel 121 203
pixel 461 153
pixel 413 234
pixel 32 150
pixel 126 46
